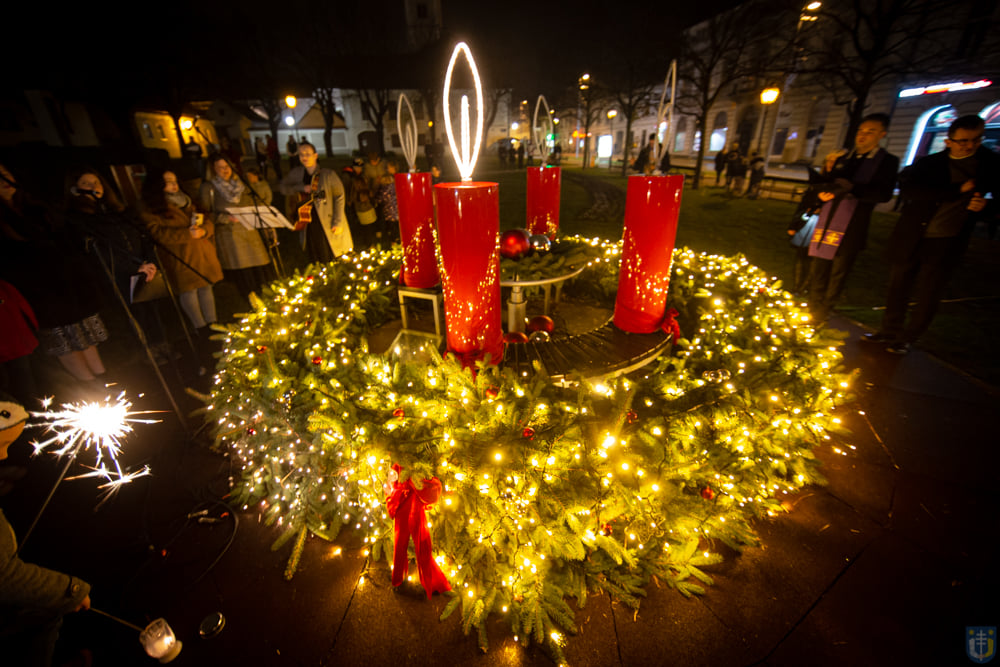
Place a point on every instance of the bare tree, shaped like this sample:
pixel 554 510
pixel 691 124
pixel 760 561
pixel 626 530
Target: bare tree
pixel 855 45
pixel 718 54
pixel 585 105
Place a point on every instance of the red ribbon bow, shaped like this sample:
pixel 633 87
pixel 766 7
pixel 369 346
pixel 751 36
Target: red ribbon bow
pixel 670 325
pixel 406 506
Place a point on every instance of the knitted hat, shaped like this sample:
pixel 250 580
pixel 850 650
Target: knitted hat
pixel 12 413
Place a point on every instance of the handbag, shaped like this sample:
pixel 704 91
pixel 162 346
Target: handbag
pixel 804 235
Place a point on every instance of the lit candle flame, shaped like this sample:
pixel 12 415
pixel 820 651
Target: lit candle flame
pixel 407 133
pixel 466 158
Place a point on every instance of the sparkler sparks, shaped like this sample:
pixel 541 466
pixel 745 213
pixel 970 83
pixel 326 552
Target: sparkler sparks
pixel 103 425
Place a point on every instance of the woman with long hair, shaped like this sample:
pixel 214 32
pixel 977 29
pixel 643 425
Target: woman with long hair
pixel 191 265
pixel 45 262
pixel 241 251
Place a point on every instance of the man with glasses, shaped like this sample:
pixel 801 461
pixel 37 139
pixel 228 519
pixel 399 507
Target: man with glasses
pixel 943 195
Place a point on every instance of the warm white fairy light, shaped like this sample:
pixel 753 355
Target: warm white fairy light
pixel 466 158
pixel 103 425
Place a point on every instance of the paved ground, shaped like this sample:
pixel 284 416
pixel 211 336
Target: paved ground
pixel 886 565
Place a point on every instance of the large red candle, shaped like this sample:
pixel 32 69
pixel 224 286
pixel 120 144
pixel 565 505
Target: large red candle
pixel 652 204
pixel 416 229
pixel 543 200
pixel 468 237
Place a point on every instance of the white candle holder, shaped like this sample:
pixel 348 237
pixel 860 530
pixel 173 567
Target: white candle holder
pixel 159 641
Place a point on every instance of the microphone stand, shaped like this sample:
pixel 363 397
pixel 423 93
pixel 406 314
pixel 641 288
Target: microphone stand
pixel 136 327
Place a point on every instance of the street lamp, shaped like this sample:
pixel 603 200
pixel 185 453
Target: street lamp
pixel 768 96
pixel 611 119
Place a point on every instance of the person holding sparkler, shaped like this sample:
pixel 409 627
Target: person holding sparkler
pixel 33 599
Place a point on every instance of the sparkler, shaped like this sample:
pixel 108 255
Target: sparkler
pixel 79 426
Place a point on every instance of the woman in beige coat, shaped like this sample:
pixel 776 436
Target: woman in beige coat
pixel 241 251
pixel 192 265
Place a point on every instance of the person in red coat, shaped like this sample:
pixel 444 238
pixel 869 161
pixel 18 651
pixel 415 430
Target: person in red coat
pixel 17 341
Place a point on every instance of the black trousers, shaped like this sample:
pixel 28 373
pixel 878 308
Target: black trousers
pixel 827 278
pixel 922 277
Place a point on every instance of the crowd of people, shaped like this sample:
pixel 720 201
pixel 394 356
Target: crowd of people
pixel 942 197
pixel 63 264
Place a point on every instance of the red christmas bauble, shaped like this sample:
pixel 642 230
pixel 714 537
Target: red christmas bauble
pixel 261 349
pixel 528 432
pixel 707 493
pixel 515 244
pixel 317 360
pixel 491 393
pixel 251 431
pixel 541 323
pixel 398 413
pixel 515 337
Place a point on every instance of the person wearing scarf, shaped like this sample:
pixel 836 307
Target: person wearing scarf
pixel 241 251
pixel 854 182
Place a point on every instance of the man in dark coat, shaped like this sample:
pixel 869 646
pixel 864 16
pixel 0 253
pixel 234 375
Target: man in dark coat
pixel 943 196
pixel 855 182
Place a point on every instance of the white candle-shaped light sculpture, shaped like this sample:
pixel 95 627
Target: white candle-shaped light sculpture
pixel 407 132
pixel 468 234
pixel 666 111
pixel 544 182
pixel 415 198
pixel 465 159
pixel 159 641
pixel 541 131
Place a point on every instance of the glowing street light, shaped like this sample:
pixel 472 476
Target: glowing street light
pixel 290 101
pixel 611 119
pixel 768 96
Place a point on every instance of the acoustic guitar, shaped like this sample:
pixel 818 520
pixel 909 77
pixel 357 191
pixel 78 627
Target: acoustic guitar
pixel 306 204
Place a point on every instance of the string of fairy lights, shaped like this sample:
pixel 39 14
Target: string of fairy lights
pixel 549 491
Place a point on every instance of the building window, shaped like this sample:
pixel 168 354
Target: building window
pixel 147 130
pixel 679 135
pixel 159 131
pixel 717 141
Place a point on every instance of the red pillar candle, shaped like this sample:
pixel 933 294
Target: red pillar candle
pixel 652 204
pixel 416 230
pixel 543 200
pixel 468 237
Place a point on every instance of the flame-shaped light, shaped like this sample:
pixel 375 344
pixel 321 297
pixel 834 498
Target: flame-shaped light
pixel 540 136
pixel 666 110
pixel 407 133
pixel 469 153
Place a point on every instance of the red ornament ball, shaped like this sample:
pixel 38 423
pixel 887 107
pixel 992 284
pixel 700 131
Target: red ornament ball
pixel 515 244
pixel 398 413
pixel 541 323
pixel 317 361
pixel 707 493
pixel 515 337
pixel 251 431
pixel 528 433
pixel 492 393
pixel 261 349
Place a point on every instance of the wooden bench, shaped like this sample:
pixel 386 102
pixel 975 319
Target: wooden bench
pixel 786 187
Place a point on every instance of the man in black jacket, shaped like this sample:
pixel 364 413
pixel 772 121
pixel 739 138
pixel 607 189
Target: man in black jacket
pixel 852 184
pixel 943 197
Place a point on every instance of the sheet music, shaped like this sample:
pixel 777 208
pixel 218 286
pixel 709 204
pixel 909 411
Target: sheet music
pixel 269 216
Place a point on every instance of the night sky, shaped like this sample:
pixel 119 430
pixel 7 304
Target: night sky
pixel 92 52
